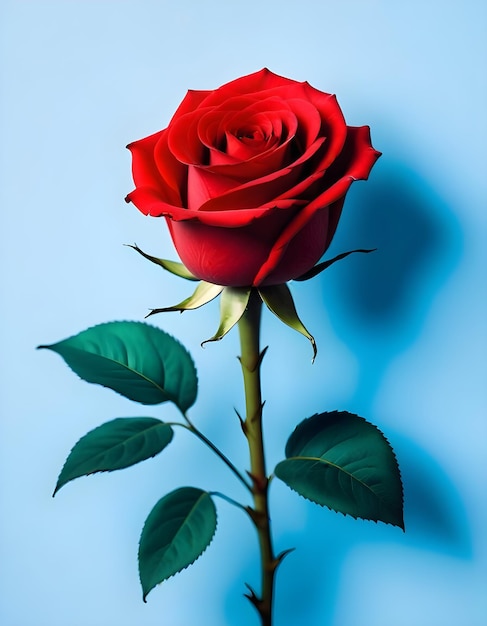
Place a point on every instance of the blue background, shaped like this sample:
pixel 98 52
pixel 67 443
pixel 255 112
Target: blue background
pixel 401 333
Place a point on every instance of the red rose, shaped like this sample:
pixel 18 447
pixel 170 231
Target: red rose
pixel 251 178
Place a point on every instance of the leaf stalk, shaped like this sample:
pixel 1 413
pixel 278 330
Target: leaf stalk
pixel 192 429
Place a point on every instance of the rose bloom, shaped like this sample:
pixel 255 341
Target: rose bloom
pixel 251 178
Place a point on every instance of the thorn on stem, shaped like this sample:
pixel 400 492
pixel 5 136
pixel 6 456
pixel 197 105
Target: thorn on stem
pixel 259 483
pixel 257 416
pixel 262 355
pixel 252 596
pixel 281 556
pixel 243 425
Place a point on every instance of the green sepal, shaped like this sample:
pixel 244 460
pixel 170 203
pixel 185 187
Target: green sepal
pixel 115 445
pixel 204 293
pixel 233 303
pixel 341 461
pixel 178 530
pixel 175 267
pixel 317 269
pixel 138 361
pixel 279 300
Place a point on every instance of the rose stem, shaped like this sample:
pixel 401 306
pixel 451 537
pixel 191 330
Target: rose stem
pixel 250 360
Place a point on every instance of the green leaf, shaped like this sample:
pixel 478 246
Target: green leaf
pixel 233 303
pixel 171 266
pixel 317 269
pixel 279 300
pixel 140 362
pixel 204 293
pixel 178 530
pixel 115 445
pixel 341 461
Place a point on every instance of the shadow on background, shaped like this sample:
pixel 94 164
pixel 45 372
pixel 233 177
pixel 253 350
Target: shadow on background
pixel 310 580
pixel 414 232
pixel 311 577
pixel 377 305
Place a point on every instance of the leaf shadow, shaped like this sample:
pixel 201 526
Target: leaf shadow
pixel 435 520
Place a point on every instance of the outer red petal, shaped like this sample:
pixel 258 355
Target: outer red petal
pixel 257 82
pixel 302 219
pixel 190 102
pixel 361 156
pixel 149 202
pixel 307 247
pixel 144 170
pixel 229 256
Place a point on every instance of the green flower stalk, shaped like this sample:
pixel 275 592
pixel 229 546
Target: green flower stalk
pixel 251 360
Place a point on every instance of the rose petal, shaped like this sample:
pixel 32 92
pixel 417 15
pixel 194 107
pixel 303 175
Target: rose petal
pixel 146 173
pixel 261 190
pixel 280 184
pixel 333 125
pixel 257 82
pixel 308 122
pixel 358 148
pixel 358 156
pixel 300 221
pixel 228 256
pixel 245 146
pixel 183 141
pixel 149 202
pixel 171 171
pixel 249 195
pixel 144 170
pixel 257 167
pixel 190 102
pixel 271 116
pixel 204 185
pixel 307 247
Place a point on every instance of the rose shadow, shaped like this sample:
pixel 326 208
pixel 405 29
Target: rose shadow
pixel 377 305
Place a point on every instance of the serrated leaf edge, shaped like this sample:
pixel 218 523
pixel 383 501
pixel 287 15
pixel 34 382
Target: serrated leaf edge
pixel 367 519
pixel 163 391
pixel 371 519
pixel 99 471
pixel 391 448
pixel 144 597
